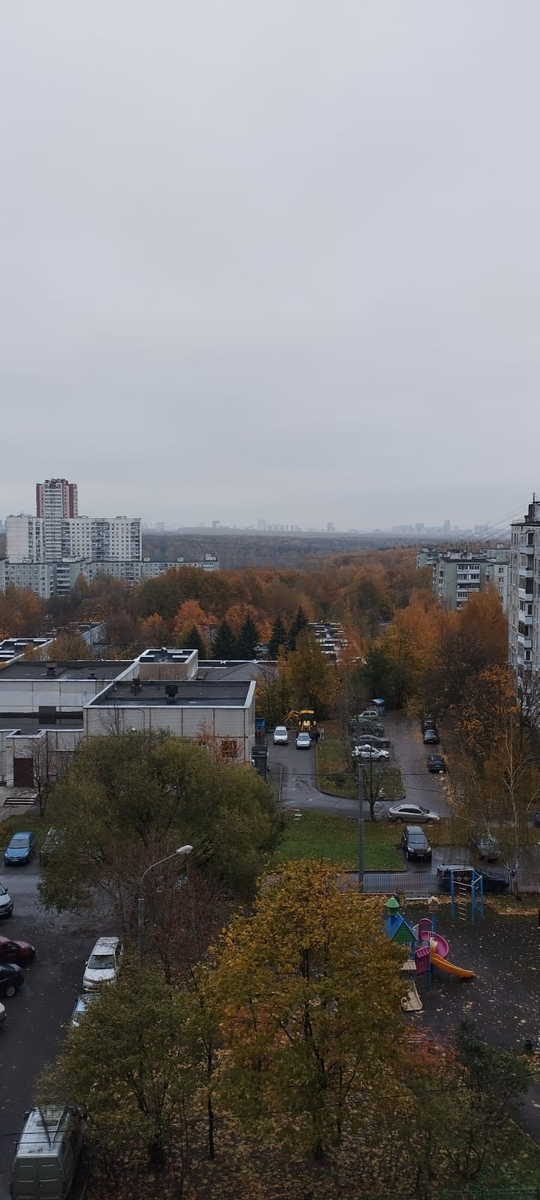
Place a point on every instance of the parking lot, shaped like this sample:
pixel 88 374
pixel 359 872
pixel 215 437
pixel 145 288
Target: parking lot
pixel 297 771
pixel 30 1035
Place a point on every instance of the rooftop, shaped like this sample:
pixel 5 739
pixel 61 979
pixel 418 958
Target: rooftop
pixel 196 693
pixel 167 656
pixel 73 669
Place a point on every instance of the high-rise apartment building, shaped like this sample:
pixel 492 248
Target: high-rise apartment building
pixel 25 539
pixel 56 500
pixel 524 607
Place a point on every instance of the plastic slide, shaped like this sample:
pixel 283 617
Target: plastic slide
pixel 444 965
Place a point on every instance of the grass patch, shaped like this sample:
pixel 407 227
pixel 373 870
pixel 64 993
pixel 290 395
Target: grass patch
pixel 315 835
pixel 337 776
pixel 27 823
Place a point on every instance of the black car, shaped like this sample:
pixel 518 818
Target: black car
pixel 436 764
pixel 493 881
pixel 431 737
pixel 414 843
pixel 11 979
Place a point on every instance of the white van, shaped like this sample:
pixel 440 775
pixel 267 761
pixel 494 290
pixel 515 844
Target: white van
pixel 47 1154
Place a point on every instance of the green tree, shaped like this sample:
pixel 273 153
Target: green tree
pixel 133 1066
pixel 300 622
pixel 248 639
pixel 193 640
pixel 278 638
pixel 224 646
pixel 311 681
pixel 127 801
pixel 309 991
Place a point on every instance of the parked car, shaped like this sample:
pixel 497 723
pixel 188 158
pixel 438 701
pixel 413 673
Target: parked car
pixel 369 712
pixel 3 1013
pixel 303 741
pixel 414 843
pixel 428 722
pixel 369 739
pixel 6 903
pixel 80 1007
pixel 436 764
pixel 104 963
pixel 412 812
pixel 281 736
pixel 371 752
pixel 369 728
pixel 493 881
pixel 17 952
pixel 486 846
pixel 11 979
pixel 431 737
pixel 536 819
pixel 20 849
pixel 52 840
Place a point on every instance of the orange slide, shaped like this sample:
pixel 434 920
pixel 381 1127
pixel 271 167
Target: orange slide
pixel 444 965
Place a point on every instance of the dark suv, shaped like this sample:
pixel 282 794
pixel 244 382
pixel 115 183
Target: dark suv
pixel 493 881
pixel 415 844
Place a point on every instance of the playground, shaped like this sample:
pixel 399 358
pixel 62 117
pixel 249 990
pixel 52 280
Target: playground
pixel 503 994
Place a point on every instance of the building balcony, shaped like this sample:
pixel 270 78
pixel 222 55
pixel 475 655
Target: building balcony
pixel 524 641
pixel 526 573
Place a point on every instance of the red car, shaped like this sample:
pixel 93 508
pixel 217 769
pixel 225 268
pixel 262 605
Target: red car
pixel 20 953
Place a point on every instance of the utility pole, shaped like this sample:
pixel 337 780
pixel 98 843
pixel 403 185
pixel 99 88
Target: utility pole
pixel 360 826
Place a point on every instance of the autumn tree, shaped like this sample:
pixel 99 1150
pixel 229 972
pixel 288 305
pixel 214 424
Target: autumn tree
pixel 311 680
pixel 68 647
pixel 155 631
pixel 310 990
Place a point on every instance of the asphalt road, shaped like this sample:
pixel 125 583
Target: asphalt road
pixel 297 770
pixel 31 1033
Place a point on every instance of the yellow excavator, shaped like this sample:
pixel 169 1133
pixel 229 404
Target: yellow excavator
pixel 305 719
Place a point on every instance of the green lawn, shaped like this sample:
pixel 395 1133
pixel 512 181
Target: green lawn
pixel 337 777
pixel 315 835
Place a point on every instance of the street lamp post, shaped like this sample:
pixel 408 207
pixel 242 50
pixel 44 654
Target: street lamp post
pixel 185 851
pixel 360 825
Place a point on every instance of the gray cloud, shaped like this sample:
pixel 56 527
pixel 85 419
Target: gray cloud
pixel 271 260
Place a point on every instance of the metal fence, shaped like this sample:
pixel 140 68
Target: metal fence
pixel 426 883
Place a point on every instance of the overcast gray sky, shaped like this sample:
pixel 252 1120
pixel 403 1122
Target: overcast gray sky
pixel 271 260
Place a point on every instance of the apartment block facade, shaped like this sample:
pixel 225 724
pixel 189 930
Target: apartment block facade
pixel 101 539
pixel 524 608
pixel 25 539
pixel 457 574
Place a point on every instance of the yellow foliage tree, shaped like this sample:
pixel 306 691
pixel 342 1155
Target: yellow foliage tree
pixel 311 1004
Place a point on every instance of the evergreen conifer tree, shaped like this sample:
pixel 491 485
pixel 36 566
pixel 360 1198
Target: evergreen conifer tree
pixel 224 642
pixel 278 638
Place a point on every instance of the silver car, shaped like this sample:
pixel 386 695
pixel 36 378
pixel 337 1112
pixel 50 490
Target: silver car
pixel 411 814
pixel 281 736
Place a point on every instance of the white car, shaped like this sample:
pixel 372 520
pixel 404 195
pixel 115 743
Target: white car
pixel 372 752
pixel 303 741
pixel 413 814
pixel 2 1013
pixel 369 712
pixel 104 963
pixel 281 736
pixel 6 903
pixel 81 1004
